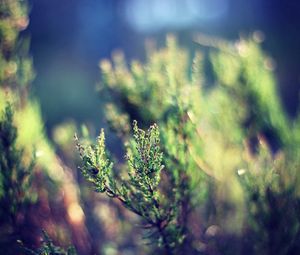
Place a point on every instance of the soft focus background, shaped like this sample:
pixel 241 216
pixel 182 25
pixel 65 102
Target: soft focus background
pixel 248 158
pixel 68 38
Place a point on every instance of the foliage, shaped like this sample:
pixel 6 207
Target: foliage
pixel 16 192
pixel 23 140
pixel 217 171
pixel 15 64
pixel 139 192
pixel 230 153
pixel 48 248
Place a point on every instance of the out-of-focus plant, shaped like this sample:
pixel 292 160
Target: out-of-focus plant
pixel 16 163
pixel 230 153
pixel 48 248
pixel 268 171
pixel 15 65
pixel 16 193
pixel 217 174
pixel 16 74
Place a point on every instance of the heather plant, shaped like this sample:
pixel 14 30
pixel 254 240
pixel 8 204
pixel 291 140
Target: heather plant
pixel 230 153
pixel 211 158
pixel 17 164
pixel 23 139
pixel 48 248
pixel 268 170
pixel 139 192
pixel 16 193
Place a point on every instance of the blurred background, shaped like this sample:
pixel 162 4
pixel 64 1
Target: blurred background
pixel 68 38
pixel 67 41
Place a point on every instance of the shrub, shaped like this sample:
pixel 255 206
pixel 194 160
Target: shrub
pixel 211 162
pixel 229 152
pixel 23 140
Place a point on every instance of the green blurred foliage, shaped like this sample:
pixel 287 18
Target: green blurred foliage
pixel 217 172
pixel 16 65
pixel 23 199
pixel 230 152
pixel 16 192
pixel 48 248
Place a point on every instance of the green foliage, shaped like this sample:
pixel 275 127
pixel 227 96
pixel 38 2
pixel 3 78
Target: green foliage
pixel 217 174
pixel 15 65
pixel 48 248
pixel 24 150
pixel 268 169
pixel 271 185
pixel 96 167
pixel 15 176
pixel 252 84
pixel 16 193
pixel 230 153
pixel 139 192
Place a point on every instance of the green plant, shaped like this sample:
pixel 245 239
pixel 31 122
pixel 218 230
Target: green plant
pixel 139 192
pixel 48 248
pixel 217 172
pixel 16 193
pixel 230 157
pixel 22 139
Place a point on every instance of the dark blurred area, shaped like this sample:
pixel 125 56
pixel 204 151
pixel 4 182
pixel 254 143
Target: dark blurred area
pixel 68 38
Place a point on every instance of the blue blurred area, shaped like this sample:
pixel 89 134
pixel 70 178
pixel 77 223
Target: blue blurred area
pixel 152 16
pixel 68 38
